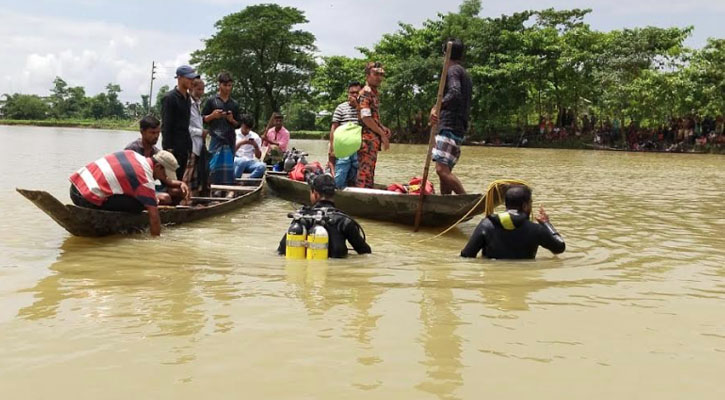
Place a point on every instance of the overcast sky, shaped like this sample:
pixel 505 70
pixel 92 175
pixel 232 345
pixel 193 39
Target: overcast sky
pixel 93 42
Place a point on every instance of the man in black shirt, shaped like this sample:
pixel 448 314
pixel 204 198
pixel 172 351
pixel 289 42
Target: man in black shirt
pixel 453 121
pixel 510 235
pixel 341 227
pixel 222 115
pixel 175 112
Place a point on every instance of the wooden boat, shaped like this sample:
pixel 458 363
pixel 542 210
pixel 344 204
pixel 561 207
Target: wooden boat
pixel 380 204
pixel 88 222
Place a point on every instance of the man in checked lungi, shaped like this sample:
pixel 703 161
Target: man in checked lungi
pixel 221 113
pixel 453 120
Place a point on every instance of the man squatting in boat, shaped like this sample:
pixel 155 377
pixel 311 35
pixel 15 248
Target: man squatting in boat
pixel 340 229
pixel 510 234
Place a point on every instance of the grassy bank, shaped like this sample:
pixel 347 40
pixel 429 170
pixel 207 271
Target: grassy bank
pixel 111 124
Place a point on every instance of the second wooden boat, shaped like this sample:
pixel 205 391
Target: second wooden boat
pixel 383 205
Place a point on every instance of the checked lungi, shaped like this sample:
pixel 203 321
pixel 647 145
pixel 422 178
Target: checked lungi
pixel 448 148
pixel 221 165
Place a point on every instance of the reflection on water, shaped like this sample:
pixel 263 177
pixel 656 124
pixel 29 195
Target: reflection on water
pixel 210 308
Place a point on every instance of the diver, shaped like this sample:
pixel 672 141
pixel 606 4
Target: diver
pixel 340 227
pixel 511 235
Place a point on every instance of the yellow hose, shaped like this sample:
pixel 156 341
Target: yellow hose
pixel 493 197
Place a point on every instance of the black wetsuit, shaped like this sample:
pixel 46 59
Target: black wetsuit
pixel 341 228
pixel 520 239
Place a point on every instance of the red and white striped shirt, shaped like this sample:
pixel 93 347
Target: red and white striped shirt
pixel 124 172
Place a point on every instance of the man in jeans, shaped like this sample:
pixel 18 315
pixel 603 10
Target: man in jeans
pixel 248 151
pixel 346 112
pixel 453 121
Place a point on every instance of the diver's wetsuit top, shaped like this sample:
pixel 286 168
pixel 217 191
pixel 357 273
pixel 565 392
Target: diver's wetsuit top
pixel 340 229
pixel 514 238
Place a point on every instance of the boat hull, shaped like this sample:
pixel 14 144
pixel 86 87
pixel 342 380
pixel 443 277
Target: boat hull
pixel 438 210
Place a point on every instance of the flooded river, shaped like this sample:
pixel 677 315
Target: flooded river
pixel 635 308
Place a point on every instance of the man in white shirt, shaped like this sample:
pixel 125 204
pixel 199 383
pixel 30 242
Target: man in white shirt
pixel 197 169
pixel 248 151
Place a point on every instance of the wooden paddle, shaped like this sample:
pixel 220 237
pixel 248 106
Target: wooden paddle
pixel 432 139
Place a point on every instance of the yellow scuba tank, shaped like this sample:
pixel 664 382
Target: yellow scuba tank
pixel 296 239
pixel 317 240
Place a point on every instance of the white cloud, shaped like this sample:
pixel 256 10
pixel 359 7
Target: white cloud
pixel 86 53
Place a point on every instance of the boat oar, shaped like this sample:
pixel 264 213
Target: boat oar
pixel 432 139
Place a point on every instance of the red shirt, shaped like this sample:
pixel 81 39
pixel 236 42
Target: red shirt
pixel 124 172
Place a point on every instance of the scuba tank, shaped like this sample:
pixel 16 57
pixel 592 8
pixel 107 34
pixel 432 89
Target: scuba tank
pixel 289 162
pixel 296 239
pixel 318 240
pixel 303 159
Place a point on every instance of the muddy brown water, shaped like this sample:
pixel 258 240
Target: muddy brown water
pixel 635 308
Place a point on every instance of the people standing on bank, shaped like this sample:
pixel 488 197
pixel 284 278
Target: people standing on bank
pixel 221 112
pixel 175 113
pixel 124 181
pixel 375 136
pixel 248 151
pixel 453 121
pixel 345 113
pixel 196 174
pixel 341 227
pixel 510 234
pixel 150 128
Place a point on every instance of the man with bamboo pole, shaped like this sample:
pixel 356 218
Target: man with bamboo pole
pixel 453 120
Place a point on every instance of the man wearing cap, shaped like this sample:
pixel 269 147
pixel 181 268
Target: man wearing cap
pixel 341 227
pixel 175 114
pixel 124 181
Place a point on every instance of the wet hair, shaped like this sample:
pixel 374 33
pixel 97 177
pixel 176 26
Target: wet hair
pixel 148 122
pixel 353 83
pixel 247 120
pixel 224 77
pixel 458 49
pixel 372 64
pixel 324 185
pixel 517 196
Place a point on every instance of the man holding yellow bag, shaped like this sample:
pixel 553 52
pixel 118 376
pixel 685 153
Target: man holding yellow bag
pixel 346 138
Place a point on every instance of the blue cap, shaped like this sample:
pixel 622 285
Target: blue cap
pixel 187 72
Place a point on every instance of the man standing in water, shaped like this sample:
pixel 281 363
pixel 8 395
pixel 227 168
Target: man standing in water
pixel 375 136
pixel 221 112
pixel 510 235
pixel 453 121
pixel 175 114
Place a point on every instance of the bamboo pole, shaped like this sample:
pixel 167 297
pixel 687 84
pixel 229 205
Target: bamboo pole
pixel 431 140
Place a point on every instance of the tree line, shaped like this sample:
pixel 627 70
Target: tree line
pixel 525 66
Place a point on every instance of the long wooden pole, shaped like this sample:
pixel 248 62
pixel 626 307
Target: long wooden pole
pixel 432 139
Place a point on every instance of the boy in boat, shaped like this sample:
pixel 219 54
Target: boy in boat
pixel 248 151
pixel 124 181
pixel 175 113
pixel 453 121
pixel 150 128
pixel 196 174
pixel 345 113
pixel 375 136
pixel 341 228
pixel 510 235
pixel 221 112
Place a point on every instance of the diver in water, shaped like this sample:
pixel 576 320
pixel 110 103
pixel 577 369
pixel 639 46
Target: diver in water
pixel 511 235
pixel 340 227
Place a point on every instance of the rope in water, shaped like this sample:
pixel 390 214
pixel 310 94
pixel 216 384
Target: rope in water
pixel 493 197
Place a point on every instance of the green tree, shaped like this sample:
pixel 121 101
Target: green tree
pixel 269 58
pixel 25 106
